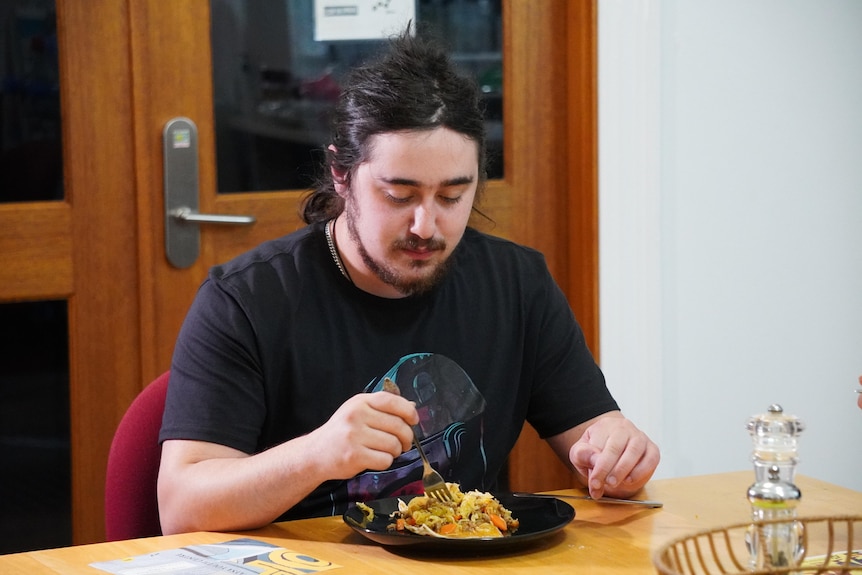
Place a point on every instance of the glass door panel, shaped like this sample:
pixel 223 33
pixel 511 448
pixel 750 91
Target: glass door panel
pixel 31 167
pixel 35 485
pixel 274 85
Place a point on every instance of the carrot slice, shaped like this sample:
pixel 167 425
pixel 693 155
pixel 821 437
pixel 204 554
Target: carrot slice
pixel 498 521
pixel 448 529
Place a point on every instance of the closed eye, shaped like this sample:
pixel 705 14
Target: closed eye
pixel 408 187
pixel 398 199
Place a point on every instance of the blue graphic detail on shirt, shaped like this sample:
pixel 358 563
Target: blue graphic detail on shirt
pixel 450 428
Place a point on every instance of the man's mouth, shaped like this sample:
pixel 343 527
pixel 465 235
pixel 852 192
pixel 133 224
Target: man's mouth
pixel 421 250
pixel 420 254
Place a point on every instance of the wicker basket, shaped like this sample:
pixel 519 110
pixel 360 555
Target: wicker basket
pixel 829 545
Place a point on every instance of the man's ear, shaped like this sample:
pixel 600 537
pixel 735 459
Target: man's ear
pixel 339 177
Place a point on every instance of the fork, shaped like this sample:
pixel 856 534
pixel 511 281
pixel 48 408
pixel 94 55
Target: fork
pixel 432 481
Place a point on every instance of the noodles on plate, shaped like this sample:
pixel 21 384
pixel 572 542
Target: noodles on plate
pixel 471 514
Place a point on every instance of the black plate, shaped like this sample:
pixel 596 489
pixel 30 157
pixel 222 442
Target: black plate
pixel 538 517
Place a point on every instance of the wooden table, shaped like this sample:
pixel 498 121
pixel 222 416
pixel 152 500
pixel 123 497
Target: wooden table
pixel 601 539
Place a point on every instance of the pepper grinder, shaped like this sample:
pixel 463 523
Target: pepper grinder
pixel 775 436
pixel 775 538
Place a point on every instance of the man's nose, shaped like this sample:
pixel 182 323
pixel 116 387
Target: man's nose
pixel 424 222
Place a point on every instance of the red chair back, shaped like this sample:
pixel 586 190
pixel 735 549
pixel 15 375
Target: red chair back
pixel 131 503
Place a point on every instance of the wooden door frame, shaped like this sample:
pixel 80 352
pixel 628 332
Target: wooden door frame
pixel 557 201
pixel 99 170
pixel 581 210
pixel 113 117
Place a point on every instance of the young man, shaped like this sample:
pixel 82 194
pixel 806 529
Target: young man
pixel 274 407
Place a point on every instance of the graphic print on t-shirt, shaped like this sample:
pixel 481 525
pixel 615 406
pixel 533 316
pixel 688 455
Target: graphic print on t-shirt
pixel 450 426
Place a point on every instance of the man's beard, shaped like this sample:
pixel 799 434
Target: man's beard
pixel 409 286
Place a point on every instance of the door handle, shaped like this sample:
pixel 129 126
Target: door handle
pixel 182 219
pixel 186 214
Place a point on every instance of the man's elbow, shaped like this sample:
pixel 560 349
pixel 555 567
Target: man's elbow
pixel 172 517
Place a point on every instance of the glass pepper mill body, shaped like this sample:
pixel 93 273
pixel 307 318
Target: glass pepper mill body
pixel 775 438
pixel 775 539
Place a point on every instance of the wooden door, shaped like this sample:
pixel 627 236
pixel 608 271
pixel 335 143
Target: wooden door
pixel 82 249
pixel 127 67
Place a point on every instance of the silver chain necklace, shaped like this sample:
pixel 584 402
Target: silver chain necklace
pixel 330 241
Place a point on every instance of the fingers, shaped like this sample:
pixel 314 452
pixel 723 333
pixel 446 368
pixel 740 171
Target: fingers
pixel 583 456
pixel 394 416
pixel 368 431
pixel 615 457
pixel 393 405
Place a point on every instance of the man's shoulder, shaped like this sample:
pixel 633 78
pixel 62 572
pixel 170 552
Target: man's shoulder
pixel 276 254
pixel 496 249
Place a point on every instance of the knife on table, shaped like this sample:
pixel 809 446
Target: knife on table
pixel 612 500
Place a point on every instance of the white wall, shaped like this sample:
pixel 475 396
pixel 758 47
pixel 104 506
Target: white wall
pixel 730 140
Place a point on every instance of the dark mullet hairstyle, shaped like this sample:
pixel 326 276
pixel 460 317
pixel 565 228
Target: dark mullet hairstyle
pixel 412 86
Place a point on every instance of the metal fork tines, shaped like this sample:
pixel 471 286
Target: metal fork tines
pixel 432 481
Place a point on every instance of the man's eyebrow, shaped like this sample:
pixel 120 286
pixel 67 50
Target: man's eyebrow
pixel 452 182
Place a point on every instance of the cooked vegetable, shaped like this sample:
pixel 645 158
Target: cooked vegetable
pixel 471 514
pixel 367 511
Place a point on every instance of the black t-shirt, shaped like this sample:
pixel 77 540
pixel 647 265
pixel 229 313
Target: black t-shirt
pixel 277 339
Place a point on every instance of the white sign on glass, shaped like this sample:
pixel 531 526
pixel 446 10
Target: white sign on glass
pixel 361 19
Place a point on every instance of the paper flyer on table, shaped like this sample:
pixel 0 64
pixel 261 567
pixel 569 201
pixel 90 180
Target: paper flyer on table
pixel 238 556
